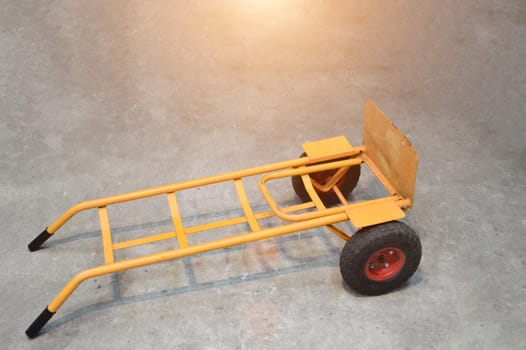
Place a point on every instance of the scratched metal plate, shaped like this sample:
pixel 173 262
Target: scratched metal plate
pixel 390 150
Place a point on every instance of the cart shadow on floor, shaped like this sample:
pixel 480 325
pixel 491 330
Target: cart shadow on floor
pixel 292 260
pixel 295 263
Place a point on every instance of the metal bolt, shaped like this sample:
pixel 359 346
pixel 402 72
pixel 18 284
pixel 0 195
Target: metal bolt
pixel 386 265
pixel 372 266
pixel 391 252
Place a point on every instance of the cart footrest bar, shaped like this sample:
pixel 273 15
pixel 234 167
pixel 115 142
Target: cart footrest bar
pixel 39 240
pixel 374 212
pixel 36 326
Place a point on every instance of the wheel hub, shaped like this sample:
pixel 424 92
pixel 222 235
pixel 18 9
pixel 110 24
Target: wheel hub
pixel 323 177
pixel 384 264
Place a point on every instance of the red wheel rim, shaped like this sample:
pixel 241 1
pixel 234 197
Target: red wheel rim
pixel 323 177
pixel 384 264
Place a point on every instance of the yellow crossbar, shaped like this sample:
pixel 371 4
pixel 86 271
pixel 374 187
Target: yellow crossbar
pixel 106 235
pixel 246 207
pixel 177 221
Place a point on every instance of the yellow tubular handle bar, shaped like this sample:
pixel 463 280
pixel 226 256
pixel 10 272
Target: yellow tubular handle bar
pixel 298 166
pixel 155 191
pixel 299 222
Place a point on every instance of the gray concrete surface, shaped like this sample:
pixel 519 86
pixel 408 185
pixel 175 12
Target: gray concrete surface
pixel 104 97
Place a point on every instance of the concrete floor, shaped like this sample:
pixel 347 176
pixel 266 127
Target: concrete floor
pixel 104 97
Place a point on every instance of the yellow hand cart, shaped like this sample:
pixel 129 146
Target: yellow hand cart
pixel 379 257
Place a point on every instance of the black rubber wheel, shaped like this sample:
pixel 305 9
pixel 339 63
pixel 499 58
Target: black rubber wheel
pixel 380 258
pixel 346 184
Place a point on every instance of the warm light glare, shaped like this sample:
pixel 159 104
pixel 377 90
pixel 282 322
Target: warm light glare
pixel 269 16
pixel 265 6
pixel 266 10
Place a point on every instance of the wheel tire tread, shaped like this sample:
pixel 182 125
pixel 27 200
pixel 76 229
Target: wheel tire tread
pixel 367 240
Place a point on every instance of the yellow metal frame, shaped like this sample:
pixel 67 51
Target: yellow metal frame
pixel 335 153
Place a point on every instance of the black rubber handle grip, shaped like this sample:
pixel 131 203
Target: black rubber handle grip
pixel 36 326
pixel 39 240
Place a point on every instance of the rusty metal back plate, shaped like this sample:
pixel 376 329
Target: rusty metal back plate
pixel 390 150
